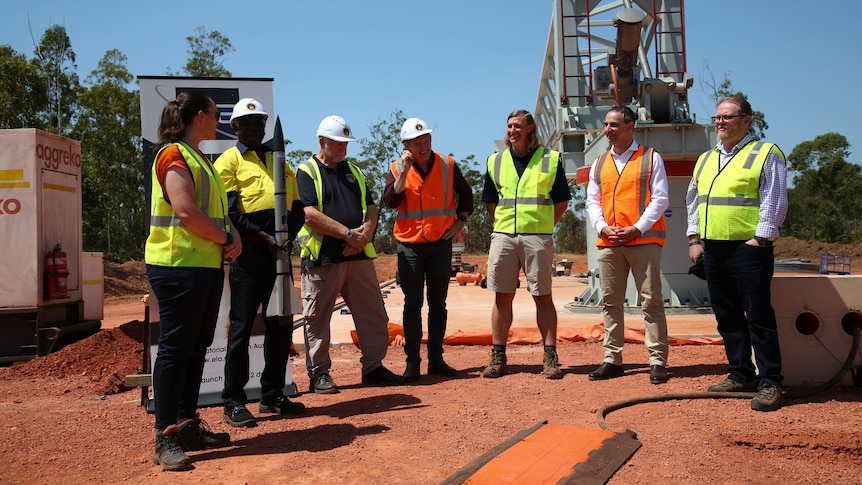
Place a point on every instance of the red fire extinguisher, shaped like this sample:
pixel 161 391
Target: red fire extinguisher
pixel 56 274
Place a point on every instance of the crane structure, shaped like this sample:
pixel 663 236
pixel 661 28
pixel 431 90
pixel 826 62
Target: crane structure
pixel 625 52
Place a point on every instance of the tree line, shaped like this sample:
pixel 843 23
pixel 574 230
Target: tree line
pixel 103 113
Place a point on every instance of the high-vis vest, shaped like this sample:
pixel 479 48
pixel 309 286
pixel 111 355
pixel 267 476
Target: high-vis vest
pixel 310 240
pixel 525 205
pixel 626 195
pixel 252 179
pixel 428 207
pixel 728 200
pixel 170 242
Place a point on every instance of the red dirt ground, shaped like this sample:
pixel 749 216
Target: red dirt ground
pixel 68 418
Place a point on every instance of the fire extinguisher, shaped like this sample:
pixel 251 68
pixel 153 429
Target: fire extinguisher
pixel 56 274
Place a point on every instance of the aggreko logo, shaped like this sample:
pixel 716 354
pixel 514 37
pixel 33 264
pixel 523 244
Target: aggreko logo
pixel 53 157
pixel 9 206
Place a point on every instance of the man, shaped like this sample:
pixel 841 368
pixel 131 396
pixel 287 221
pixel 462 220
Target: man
pixel 340 219
pixel 247 171
pixel 526 194
pixel 626 198
pixel 736 201
pixel 422 186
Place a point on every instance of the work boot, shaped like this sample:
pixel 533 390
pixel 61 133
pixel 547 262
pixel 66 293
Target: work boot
pixel 551 365
pixel 497 367
pixel 239 416
pixel 280 405
pixel 769 398
pixel 323 384
pixel 169 452
pixel 195 435
pixel 730 385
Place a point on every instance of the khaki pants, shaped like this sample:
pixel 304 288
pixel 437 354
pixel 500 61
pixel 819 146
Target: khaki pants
pixel 644 263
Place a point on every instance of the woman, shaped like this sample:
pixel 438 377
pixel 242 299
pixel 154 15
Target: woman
pixel 190 237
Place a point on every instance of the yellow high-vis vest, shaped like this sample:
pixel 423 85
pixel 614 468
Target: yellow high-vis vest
pixel 728 200
pixel 170 242
pixel 525 205
pixel 310 240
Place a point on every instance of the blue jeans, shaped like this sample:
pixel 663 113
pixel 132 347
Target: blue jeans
pixel 739 278
pixel 424 266
pixel 252 277
pixel 188 312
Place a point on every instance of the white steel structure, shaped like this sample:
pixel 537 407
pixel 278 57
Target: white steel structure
pixel 625 52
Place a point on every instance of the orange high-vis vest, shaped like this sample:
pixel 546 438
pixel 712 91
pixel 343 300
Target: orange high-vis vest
pixel 626 195
pixel 428 207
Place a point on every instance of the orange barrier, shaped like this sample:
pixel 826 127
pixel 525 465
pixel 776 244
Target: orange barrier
pixel 525 335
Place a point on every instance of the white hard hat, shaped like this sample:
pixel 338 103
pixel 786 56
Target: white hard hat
pixel 245 107
pixel 335 128
pixel 413 128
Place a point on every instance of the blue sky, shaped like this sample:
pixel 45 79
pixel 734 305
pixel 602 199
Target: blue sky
pixel 462 66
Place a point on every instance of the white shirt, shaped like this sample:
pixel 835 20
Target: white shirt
pixel 658 188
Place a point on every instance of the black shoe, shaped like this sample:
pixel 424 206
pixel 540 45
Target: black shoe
pixel 195 435
pixel 606 371
pixel 169 452
pixel 657 374
pixel 381 376
pixel 280 405
pixel 438 367
pixel 323 384
pixel 239 416
pixel 411 373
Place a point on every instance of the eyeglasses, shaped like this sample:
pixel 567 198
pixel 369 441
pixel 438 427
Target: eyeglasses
pixel 725 118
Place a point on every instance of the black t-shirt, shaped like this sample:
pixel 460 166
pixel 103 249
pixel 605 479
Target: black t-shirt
pixel 341 196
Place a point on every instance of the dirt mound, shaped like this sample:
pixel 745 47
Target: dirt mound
pixel 103 360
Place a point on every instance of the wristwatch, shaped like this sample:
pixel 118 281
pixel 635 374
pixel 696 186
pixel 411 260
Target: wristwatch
pixel 349 234
pixel 462 218
pixel 229 240
pixel 695 242
pixel 761 240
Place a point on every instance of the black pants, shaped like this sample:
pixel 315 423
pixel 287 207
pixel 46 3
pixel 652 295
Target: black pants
pixel 739 278
pixel 188 312
pixel 252 277
pixel 424 266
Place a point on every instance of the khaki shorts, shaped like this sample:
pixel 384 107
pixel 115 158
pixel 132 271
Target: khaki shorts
pixel 511 253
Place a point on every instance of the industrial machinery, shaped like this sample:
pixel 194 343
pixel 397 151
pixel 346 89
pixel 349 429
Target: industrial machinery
pixel 625 52
pixel 50 291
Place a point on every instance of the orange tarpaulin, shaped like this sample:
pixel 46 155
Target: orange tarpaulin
pixel 525 335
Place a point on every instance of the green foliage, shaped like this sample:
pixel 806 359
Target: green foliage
pixel 206 52
pixel 56 62
pixel 376 153
pixel 824 203
pixel 108 125
pixel 23 91
pixel 717 91
pixel 570 235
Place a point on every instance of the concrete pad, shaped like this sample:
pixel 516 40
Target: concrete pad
pixel 470 306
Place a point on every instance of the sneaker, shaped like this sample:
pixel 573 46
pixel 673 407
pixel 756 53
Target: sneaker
pixel 769 398
pixel 730 385
pixel 280 405
pixel 381 376
pixel 323 384
pixel 551 365
pixel 497 367
pixel 195 435
pixel 169 452
pixel 239 416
